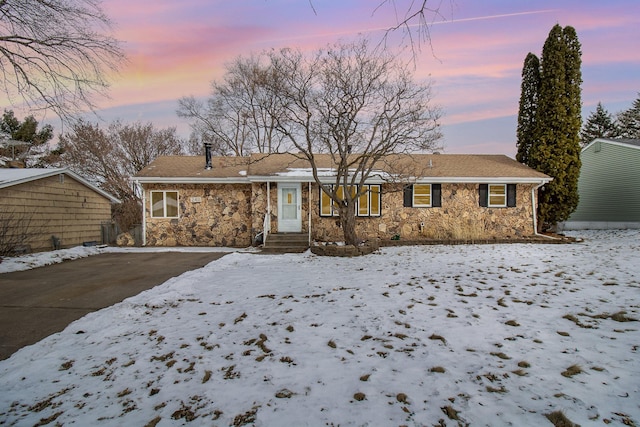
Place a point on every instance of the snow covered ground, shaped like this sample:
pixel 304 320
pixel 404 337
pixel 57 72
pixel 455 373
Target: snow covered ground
pixel 435 335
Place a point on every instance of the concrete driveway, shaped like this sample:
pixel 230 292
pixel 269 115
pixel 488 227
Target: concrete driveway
pixel 37 303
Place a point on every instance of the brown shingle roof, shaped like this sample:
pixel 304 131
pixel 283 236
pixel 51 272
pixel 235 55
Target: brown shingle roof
pixel 440 166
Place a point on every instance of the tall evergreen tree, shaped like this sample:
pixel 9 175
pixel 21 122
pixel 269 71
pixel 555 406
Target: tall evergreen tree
pixel 599 124
pixel 556 148
pixel 529 92
pixel 629 121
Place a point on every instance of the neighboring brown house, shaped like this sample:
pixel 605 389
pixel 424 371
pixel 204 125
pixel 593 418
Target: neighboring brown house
pixel 51 202
pixel 452 197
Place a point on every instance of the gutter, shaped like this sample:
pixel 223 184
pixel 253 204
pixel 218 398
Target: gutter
pixel 535 216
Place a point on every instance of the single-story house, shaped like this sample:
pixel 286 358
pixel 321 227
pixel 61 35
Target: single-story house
pixel 453 196
pixel 609 186
pixel 39 204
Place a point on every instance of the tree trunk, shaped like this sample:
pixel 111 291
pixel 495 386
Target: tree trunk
pixel 348 223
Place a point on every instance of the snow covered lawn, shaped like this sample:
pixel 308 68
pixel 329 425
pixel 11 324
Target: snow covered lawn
pixel 435 335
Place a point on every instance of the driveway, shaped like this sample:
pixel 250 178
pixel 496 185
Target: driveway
pixel 37 303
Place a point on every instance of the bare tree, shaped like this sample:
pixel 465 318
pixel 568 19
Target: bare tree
pixel 56 54
pixel 111 157
pixel 15 230
pixel 235 119
pixel 357 104
pixel 412 18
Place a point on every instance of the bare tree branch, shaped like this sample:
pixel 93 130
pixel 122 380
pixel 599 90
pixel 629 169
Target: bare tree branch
pixel 56 54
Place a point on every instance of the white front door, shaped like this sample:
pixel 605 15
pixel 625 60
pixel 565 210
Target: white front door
pixel 289 208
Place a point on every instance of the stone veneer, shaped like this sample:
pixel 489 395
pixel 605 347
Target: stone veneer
pixel 459 218
pixel 209 215
pixel 232 215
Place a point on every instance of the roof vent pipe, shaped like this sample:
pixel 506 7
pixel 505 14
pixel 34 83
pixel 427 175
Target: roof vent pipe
pixel 207 155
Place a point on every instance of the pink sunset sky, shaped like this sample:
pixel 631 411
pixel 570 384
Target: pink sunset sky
pixel 176 48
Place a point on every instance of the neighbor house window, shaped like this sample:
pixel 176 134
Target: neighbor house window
pixel 422 196
pixel 367 204
pixel 164 204
pixel 497 195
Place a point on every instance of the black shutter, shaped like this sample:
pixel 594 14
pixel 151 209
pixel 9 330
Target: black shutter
pixel 408 196
pixel 436 195
pixel 483 195
pixel 511 195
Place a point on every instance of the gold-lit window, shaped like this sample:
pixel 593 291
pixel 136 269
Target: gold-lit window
pixel 367 204
pixel 497 195
pixel 422 195
pixel 164 204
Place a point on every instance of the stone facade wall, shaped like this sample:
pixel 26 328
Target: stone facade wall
pixel 460 217
pixel 232 215
pixel 222 216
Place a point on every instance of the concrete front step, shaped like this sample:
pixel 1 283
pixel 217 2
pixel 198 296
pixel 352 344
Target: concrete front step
pixel 286 243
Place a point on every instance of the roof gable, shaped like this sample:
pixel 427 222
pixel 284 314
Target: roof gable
pixel 12 177
pixel 621 142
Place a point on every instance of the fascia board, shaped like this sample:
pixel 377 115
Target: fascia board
pixel 331 180
pixel 187 180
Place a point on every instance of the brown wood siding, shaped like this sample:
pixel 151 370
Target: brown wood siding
pixel 64 208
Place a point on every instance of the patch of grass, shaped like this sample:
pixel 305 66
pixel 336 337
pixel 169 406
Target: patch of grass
pixel 207 376
pixel 402 398
pixel 162 358
pixel 563 333
pixel 577 321
pixel 290 328
pixel 48 420
pixel 437 369
pixel 66 365
pixel 331 344
pixel 184 412
pixel 491 389
pixel 511 323
pixel 571 371
pixel 451 413
pixel 240 318
pixel 230 373
pixel 558 419
pixel 124 392
pixel 621 316
pixel 153 422
pixel 359 396
pixel 365 377
pixel 248 417
pixel 284 394
pixel 439 338
pixel 520 372
pixel 524 364
pixel 501 356
pixel 287 359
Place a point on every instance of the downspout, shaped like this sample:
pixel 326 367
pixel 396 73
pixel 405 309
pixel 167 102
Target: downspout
pixel 267 220
pixel 144 214
pixel 535 213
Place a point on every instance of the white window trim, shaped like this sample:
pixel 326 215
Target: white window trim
pixel 502 205
pixel 413 197
pixel 164 203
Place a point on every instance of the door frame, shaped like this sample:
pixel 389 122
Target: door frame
pixel 295 225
